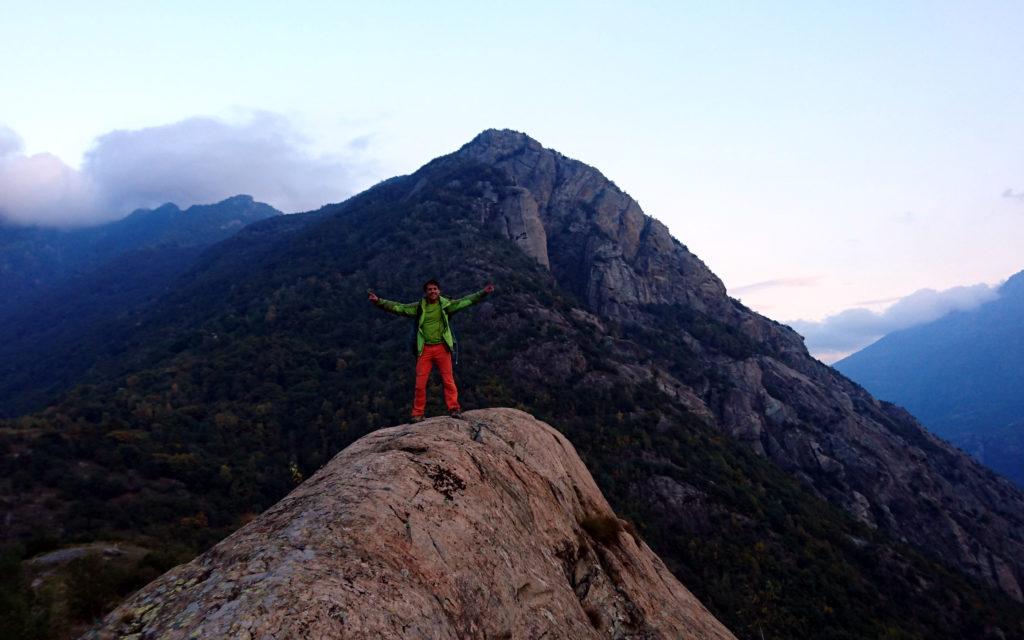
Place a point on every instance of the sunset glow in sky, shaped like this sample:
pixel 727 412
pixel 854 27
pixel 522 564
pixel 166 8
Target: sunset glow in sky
pixel 818 156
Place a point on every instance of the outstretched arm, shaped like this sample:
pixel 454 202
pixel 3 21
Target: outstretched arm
pixel 470 300
pixel 396 308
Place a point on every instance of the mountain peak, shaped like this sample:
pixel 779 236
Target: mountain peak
pixel 502 140
pixel 167 208
pixel 1014 285
pixel 241 198
pixel 612 255
pixel 488 527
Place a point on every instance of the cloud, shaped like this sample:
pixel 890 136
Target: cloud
pixel 878 301
pixel 198 160
pixel 40 189
pixel 1014 195
pixel 10 142
pixel 773 284
pixel 843 333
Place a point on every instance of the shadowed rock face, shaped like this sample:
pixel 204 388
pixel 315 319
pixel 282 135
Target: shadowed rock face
pixel 872 459
pixel 489 527
pixel 591 234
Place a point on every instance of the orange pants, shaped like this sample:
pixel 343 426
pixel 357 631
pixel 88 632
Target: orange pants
pixel 434 354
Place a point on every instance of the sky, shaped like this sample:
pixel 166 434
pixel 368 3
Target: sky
pixel 843 167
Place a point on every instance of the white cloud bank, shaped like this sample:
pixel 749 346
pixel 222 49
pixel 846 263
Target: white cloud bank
pixel 198 160
pixel 853 329
pixel 39 188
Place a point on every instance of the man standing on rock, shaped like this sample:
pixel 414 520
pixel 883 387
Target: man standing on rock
pixel 434 340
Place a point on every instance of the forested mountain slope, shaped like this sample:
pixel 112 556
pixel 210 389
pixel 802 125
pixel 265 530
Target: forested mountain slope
pixel 33 258
pixel 61 291
pixel 790 501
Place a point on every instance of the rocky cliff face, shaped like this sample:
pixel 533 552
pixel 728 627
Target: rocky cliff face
pixel 594 237
pixel 871 458
pixel 489 527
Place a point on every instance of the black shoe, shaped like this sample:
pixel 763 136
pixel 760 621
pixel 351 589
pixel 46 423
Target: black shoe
pixel 416 419
pixel 455 414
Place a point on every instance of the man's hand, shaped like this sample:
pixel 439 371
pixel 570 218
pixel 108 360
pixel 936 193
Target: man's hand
pixel 373 297
pixel 489 288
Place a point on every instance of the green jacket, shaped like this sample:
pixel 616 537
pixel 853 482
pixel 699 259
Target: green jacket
pixel 448 307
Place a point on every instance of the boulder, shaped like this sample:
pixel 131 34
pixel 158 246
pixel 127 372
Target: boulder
pixel 486 527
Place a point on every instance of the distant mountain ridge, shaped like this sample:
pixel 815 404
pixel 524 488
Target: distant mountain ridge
pixel 792 502
pixel 59 286
pixel 961 375
pixel 33 258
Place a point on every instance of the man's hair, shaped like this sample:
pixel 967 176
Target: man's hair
pixel 431 282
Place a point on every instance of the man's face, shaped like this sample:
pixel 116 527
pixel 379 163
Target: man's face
pixel 433 292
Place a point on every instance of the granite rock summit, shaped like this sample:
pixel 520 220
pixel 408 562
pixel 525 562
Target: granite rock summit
pixel 488 527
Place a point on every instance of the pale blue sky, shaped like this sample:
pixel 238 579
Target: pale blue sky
pixel 845 151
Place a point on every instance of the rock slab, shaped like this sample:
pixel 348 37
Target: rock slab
pixel 487 527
